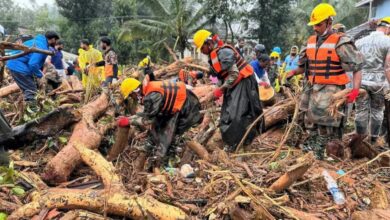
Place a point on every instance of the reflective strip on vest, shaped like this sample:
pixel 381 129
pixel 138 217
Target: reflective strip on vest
pixel 324 63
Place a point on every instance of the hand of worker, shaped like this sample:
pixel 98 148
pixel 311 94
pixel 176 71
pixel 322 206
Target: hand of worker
pixel 123 122
pixel 351 97
pixel 264 84
pixel 218 93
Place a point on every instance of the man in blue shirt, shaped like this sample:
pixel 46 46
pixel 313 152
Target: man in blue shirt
pixel 291 60
pixel 26 69
pixel 259 66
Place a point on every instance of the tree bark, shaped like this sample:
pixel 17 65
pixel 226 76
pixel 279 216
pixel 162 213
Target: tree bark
pixel 8 90
pixel 113 199
pixel 294 173
pixel 121 141
pixel 84 132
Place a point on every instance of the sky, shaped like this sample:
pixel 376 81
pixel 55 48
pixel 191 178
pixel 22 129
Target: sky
pixel 27 3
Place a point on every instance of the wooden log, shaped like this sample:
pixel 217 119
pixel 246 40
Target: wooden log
pixel 302 215
pixel 173 68
pixel 6 206
pixel 85 132
pixel 278 113
pixel 294 173
pixel 374 214
pixel 113 199
pixel 8 90
pixel 199 150
pixel 121 141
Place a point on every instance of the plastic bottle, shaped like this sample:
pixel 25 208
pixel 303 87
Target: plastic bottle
pixel 338 196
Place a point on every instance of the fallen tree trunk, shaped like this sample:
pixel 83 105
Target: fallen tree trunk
pixel 84 132
pixel 174 68
pixel 8 90
pixel 113 199
pixel 46 126
pixel 294 173
pixel 278 113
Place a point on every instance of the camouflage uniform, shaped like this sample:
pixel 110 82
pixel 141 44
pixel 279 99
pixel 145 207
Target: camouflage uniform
pixel 316 98
pixel 369 109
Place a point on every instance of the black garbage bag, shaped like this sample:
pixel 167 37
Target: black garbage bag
pixel 241 106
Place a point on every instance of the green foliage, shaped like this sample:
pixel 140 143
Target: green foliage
pixel 172 22
pixel 3 216
pixel 7 174
pixel 18 191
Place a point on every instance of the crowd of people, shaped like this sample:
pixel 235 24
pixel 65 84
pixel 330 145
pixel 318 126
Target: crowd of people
pixel 327 64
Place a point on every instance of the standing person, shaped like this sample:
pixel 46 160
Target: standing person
pixel 26 69
pixel 169 108
pixel 279 51
pixel 91 75
pixel 110 61
pixel 241 104
pixel 259 66
pixel 328 57
pixel 375 80
pixel 58 59
pixel 240 46
pixel 291 61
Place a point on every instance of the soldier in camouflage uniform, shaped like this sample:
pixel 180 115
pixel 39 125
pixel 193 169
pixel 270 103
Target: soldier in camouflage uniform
pixel 375 80
pixel 328 56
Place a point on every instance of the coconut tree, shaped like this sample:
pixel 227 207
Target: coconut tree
pixel 170 23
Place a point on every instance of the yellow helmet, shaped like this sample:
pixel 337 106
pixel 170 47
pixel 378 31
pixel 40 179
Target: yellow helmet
pixel 200 37
pixel 321 12
pixel 274 54
pixel 384 20
pixel 128 86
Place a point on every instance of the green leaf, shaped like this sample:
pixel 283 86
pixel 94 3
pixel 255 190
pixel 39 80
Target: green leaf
pixel 19 191
pixel 3 216
pixel 1 180
pixel 274 165
pixel 63 140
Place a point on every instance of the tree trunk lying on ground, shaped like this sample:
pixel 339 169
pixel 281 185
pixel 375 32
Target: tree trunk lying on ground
pixel 46 126
pixel 294 173
pixel 84 132
pixel 174 68
pixel 113 199
pixel 8 90
pixel 278 113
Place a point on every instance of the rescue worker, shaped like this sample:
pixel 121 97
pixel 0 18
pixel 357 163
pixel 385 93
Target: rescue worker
pixel 26 70
pixel 169 107
pixel 189 77
pixel 259 67
pixel 88 56
pixel 238 86
pixel 375 80
pixel 259 49
pixel 291 61
pixel 328 56
pixel 110 61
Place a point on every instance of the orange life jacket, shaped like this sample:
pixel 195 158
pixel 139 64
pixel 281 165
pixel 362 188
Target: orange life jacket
pixel 174 94
pixel 245 70
pixel 324 63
